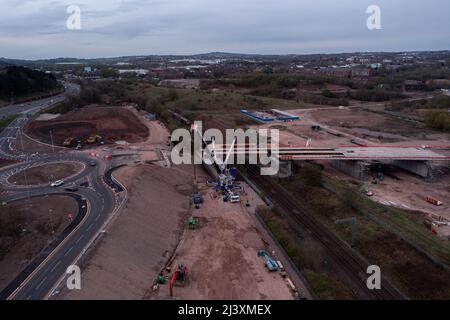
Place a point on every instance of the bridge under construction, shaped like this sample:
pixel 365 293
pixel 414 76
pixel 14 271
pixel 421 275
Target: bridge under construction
pixel 354 161
pixel 424 153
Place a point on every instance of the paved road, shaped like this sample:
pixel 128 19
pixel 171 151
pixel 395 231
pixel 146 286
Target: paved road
pixel 43 273
pixel 36 106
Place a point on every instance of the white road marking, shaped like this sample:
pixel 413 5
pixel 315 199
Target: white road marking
pixel 40 284
pixel 90 226
pixel 79 239
pixel 68 251
pixel 56 265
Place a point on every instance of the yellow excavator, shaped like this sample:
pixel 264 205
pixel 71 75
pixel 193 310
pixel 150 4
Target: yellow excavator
pixel 94 139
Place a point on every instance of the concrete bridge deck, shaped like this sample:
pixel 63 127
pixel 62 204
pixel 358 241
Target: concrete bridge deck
pixel 347 153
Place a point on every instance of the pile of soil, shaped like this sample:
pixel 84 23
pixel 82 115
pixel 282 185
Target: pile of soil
pixel 112 123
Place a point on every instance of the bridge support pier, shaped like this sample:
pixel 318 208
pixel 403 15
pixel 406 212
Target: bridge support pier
pixel 356 169
pixel 421 168
pixel 286 170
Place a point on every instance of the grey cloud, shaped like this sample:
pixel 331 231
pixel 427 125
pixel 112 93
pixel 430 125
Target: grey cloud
pixel 127 27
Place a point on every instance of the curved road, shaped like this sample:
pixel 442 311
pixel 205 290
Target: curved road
pixel 96 199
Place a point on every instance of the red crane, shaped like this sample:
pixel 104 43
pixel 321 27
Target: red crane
pixel 179 275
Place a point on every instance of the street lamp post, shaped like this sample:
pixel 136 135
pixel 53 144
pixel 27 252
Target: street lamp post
pixel 51 138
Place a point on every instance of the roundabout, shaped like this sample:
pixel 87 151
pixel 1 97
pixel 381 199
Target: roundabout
pixel 96 202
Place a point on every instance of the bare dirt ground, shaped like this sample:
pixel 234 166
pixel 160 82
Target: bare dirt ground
pixel 221 256
pixel 374 129
pixel 46 173
pixel 145 234
pixel 112 123
pixel 147 151
pixel 36 220
pixel 27 144
pixel 406 191
pixel 136 246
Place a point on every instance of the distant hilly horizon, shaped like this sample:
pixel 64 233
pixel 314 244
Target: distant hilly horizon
pixel 209 55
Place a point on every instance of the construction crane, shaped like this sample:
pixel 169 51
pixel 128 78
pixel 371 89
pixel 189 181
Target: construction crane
pixel 179 276
pixel 226 176
pixel 226 179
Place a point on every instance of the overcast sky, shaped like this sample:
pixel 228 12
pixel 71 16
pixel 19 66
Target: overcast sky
pixel 34 29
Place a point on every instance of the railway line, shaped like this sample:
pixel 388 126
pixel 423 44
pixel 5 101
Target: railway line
pixel 350 262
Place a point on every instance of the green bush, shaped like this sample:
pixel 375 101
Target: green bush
pixel 328 94
pixel 438 119
pixel 310 176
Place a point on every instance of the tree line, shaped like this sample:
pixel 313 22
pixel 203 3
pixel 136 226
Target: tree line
pixel 16 82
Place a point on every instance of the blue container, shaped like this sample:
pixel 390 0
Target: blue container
pixel 233 172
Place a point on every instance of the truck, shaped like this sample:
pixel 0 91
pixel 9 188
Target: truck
pixel 234 198
pixel 434 201
pixel 197 199
pixel 270 263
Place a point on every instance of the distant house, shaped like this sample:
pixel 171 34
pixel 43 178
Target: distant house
pixel 88 69
pixel 361 73
pixel 138 72
pixel 440 83
pixel 166 73
pixel 393 67
pixel 343 73
pixel 375 65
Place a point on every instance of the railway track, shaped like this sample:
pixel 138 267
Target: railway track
pixel 353 265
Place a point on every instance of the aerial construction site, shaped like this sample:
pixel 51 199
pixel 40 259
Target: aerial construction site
pixel 141 227
pixel 182 179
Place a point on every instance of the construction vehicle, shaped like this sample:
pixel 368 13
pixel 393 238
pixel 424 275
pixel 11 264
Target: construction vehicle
pixel 364 190
pixel 270 263
pixel 233 197
pixel 434 201
pixel 197 199
pixel 94 139
pixel 193 223
pixel 69 142
pixel 161 278
pixel 179 277
pixel 380 176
